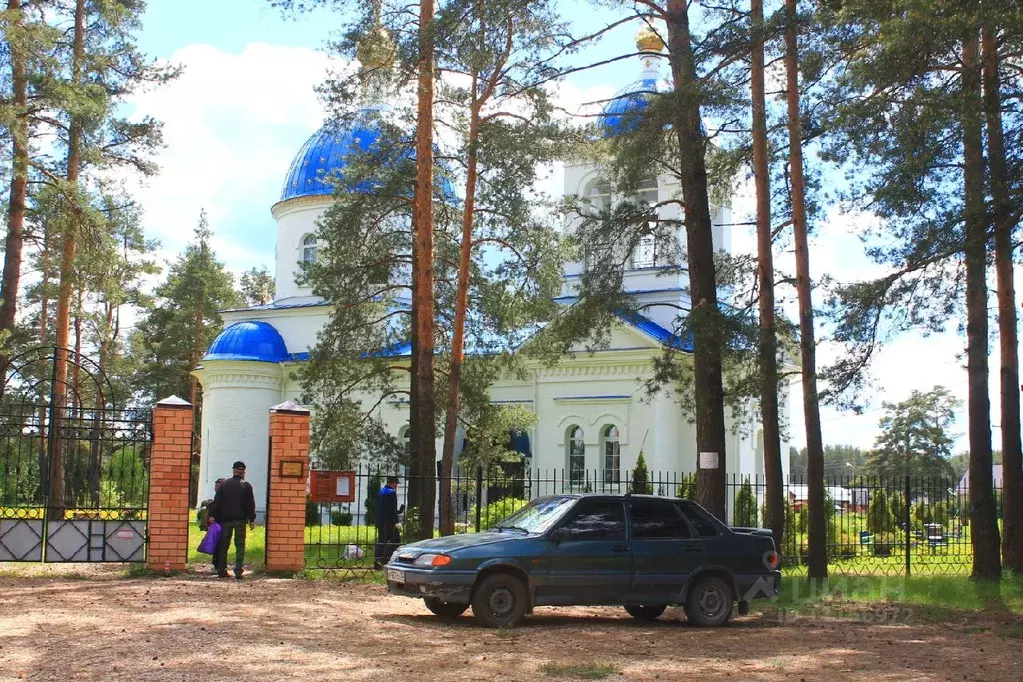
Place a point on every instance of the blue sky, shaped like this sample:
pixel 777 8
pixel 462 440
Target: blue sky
pixel 245 104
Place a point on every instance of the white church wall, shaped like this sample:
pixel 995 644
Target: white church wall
pixel 295 219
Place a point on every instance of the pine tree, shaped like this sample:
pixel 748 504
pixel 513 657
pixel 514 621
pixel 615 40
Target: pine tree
pixel 1005 214
pixel 818 562
pixel 916 66
pixel 257 286
pixel 503 46
pixel 170 340
pixel 768 337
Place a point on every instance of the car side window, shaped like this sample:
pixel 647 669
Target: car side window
pixel 597 520
pixel 704 525
pixel 652 519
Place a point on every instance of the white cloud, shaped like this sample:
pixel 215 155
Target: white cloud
pixel 232 124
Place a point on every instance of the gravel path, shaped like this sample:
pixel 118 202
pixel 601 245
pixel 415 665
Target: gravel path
pixel 199 628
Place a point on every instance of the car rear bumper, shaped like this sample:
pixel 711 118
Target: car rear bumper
pixel 752 586
pixel 451 586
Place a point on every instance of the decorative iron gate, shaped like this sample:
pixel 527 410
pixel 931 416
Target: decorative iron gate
pixel 74 468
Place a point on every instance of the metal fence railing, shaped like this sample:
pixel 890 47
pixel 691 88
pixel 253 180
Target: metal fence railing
pixel 875 526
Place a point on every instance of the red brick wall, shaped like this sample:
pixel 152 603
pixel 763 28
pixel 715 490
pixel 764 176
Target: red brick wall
pixel 285 514
pixel 170 469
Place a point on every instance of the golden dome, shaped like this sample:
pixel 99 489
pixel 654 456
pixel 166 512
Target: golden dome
pixel 376 49
pixel 647 40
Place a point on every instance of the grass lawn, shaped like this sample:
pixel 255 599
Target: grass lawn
pixel 925 592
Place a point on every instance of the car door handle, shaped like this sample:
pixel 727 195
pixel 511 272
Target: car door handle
pixel 619 548
pixel 690 549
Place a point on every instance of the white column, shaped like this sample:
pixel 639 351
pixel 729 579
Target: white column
pixel 237 397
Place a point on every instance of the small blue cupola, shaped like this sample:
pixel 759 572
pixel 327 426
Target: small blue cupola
pixel 622 114
pixel 252 340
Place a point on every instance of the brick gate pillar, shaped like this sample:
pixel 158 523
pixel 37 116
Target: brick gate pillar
pixel 286 483
pixel 170 467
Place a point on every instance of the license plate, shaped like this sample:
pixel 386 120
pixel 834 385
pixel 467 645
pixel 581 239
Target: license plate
pixel 395 576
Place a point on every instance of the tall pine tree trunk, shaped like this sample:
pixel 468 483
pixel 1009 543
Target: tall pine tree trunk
pixel 765 261
pixel 1012 458
pixel 422 491
pixel 705 316
pixel 19 177
pixel 447 521
pixel 818 560
pixel 67 263
pixel 983 520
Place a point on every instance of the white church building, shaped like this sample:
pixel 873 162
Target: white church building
pixel 594 415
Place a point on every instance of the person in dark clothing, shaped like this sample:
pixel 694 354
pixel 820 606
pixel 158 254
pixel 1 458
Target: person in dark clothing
pixel 387 521
pixel 233 507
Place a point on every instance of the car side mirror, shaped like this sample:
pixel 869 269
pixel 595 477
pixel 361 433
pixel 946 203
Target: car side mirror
pixel 560 535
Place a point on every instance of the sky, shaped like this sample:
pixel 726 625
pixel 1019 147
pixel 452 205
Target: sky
pixel 246 102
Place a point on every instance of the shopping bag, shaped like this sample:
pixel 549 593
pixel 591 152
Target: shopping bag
pixel 211 540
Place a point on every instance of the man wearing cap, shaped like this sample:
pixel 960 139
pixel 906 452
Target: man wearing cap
pixel 233 507
pixel 386 521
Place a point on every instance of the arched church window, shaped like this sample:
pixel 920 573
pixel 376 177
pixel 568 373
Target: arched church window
pixel 576 456
pixel 647 254
pixel 598 193
pixel 406 441
pixel 612 454
pixel 309 248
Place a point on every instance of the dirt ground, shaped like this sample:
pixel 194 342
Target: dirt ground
pixel 199 628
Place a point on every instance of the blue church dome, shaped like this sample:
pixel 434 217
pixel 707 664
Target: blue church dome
pixel 324 155
pixel 257 341
pixel 622 114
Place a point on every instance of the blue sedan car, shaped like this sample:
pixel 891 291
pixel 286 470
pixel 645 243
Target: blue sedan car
pixel 638 551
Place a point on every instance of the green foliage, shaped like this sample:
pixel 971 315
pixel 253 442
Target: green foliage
pixel 372 493
pixel 687 487
pixel 341 518
pixel 363 268
pixel 171 339
pixel 879 513
pixel 897 504
pixel 914 438
pixel 641 478
pixel 497 511
pixel 839 461
pixel 746 506
pixel 257 286
pixel 312 514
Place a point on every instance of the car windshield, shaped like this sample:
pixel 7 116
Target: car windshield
pixel 538 515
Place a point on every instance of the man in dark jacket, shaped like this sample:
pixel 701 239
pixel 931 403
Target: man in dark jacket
pixel 387 520
pixel 233 507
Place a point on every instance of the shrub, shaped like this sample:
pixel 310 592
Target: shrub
pixel 372 493
pixel 312 513
pixel 879 513
pixel 498 511
pixel 341 518
pixel 641 478
pixel 896 504
pixel 746 506
pixel 686 487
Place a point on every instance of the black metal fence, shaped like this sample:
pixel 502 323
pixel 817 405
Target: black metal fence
pixel 74 483
pixel 875 526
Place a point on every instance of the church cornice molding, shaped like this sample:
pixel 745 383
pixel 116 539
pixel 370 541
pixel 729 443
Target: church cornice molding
pixel 288 206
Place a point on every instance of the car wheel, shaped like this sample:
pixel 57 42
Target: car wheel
pixel 500 601
pixel 710 602
pixel 641 612
pixel 444 609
